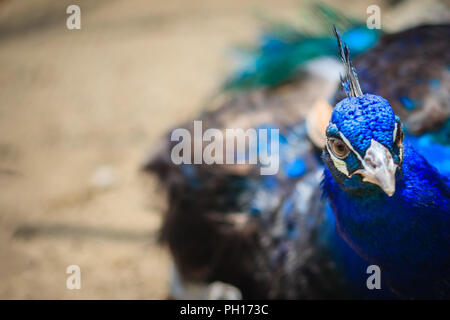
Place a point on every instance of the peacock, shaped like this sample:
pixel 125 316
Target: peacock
pixel 391 205
pixel 268 237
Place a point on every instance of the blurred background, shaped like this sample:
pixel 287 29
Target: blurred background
pixel 79 109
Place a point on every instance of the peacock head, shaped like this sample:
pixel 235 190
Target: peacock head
pixel 364 145
pixel 364 150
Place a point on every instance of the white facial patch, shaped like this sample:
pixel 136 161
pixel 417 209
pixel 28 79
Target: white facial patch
pixel 400 155
pixel 395 132
pixel 338 163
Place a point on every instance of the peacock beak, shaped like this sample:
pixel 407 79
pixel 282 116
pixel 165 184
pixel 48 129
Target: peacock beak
pixel 379 167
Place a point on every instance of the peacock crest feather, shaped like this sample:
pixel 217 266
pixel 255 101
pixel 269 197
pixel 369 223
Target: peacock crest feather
pixel 350 81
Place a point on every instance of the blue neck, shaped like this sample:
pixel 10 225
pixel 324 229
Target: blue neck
pixel 408 234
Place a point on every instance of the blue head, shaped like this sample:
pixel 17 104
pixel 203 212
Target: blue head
pixel 364 150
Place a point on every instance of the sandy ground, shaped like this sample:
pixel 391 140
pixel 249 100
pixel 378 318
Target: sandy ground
pixel 78 111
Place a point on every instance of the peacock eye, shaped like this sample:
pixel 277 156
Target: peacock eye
pixel 338 147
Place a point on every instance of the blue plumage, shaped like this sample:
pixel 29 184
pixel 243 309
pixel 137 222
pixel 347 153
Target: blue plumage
pixel 391 206
pixel 375 119
pixel 436 153
pixel 408 234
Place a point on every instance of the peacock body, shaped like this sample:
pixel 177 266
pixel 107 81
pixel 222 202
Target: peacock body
pixel 391 205
pixel 276 236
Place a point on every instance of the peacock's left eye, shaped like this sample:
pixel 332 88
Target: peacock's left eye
pixel 338 147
